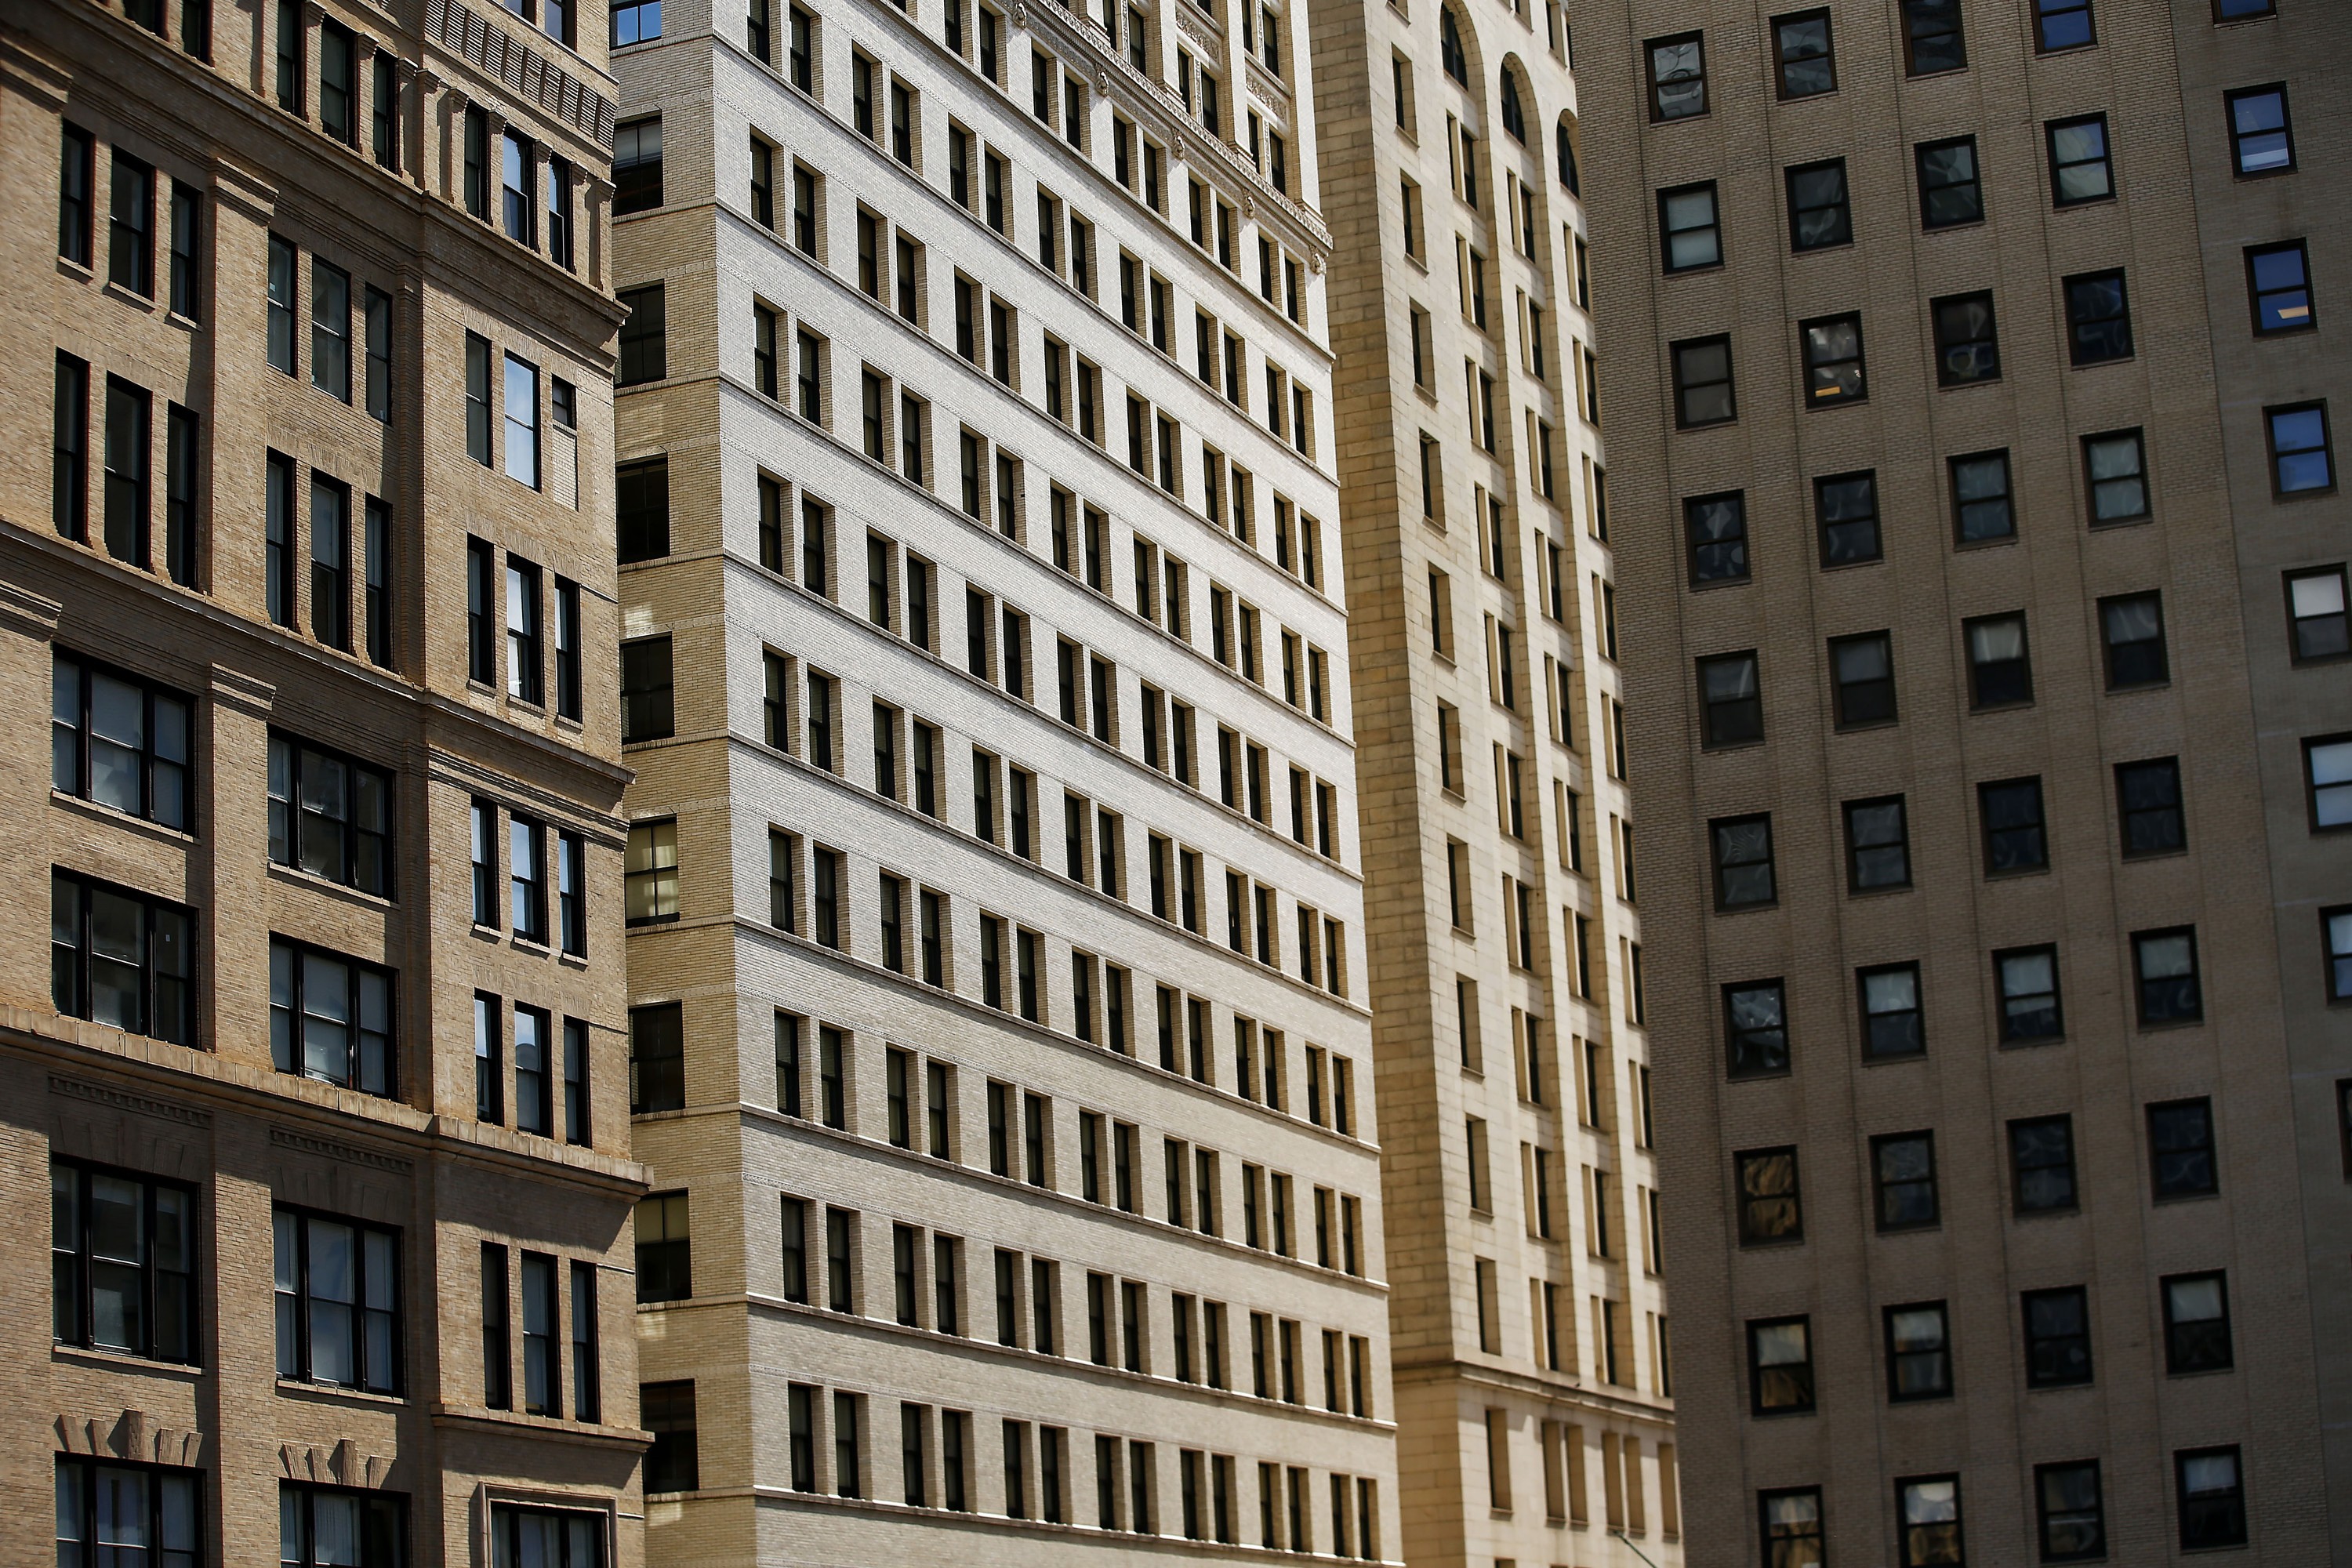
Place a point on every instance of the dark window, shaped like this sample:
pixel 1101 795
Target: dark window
pixel 2327 774
pixel 2315 609
pixel 641 500
pixel 1730 700
pixel 2301 460
pixel 2147 798
pixel 1756 1028
pixel 637 162
pixel 1703 393
pixel 131 1515
pixel 2098 318
pixel 1861 675
pixel 2042 1165
pixel 2196 1323
pixel 1677 76
pixel 1801 45
pixel 2071 1513
pixel 331 1019
pixel 2182 1159
pixel 2016 838
pixel 1929 1507
pixel 636 22
pixel 1833 368
pixel 644 347
pixel 1903 1176
pixel 1931 40
pixel 1819 213
pixel 330 815
pixel 2132 627
pixel 1877 844
pixel 2000 672
pixel 2028 978
pixel 1918 1353
pixel 1891 1017
pixel 2260 136
pixel 1983 508
pixel 1769 1206
pixel 70 449
pixel 1781 1366
pixel 2080 169
pixel 658 1058
pixel 1717 527
pixel 1845 506
pixel 77 175
pixel 648 695
pixel 119 741
pixel 122 1262
pixel 1690 232
pixel 665 1248
pixel 130 224
pixel 2115 465
pixel 1791 1521
pixel 1967 350
pixel 2278 285
pixel 1950 192
pixel 338 1292
pixel 325 1527
pixel 2057 1337
pixel 118 958
pixel 2164 965
pixel 672 1463
pixel 1743 861
pixel 2212 1493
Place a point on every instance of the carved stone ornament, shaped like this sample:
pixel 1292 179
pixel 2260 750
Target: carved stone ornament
pixel 131 1435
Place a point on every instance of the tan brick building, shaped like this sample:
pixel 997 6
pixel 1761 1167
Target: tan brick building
pixel 1001 1041
pixel 1533 1361
pixel 1969 383
pixel 310 598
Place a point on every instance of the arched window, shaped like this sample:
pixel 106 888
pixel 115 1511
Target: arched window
pixel 1449 47
pixel 1515 118
pixel 1567 157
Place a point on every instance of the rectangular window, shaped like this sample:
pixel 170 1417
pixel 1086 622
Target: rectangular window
pixel 1929 1507
pixel 1702 388
pixel 1677 76
pixel 2016 838
pixel 1769 1202
pixel 2211 1491
pixel 1999 671
pixel 338 1295
pixel 2080 171
pixel 2181 1157
pixel 2098 318
pixel 1820 215
pixel 122 1262
pixel 1903 1176
pixel 1780 1366
pixel 2028 979
pixel 1918 1353
pixel 1892 1026
pixel 2132 627
pixel 121 958
pixel 1743 862
pixel 119 741
pixel 2261 137
pixel 2057 1337
pixel 2302 461
pixel 1932 42
pixel 69 451
pixel 1756 1028
pixel 77 176
pixel 2042 1165
pixel 1716 528
pixel 130 1515
pixel 1834 363
pixel 2278 288
pixel 131 226
pixel 1951 190
pixel 281 305
pixel 643 341
pixel 1801 47
pixel 330 1018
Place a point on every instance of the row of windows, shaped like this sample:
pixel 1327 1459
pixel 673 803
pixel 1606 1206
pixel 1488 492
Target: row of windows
pixel 2070 1511
pixel 123 450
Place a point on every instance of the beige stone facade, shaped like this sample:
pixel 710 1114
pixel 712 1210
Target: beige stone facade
pixel 322 1074
pixel 1966 478
pixel 1533 1359
pixel 998 977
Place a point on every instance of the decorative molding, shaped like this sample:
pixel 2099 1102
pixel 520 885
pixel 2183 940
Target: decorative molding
pixel 123 1099
pixel 129 1435
pixel 27 613
pixel 340 1466
pixel 329 1148
pixel 248 694
pixel 522 69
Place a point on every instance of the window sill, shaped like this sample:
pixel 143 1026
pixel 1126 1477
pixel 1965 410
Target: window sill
pixel 131 296
pixel 99 1356
pixel 334 1393
pixel 327 886
pixel 145 825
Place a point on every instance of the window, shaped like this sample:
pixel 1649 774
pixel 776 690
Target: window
pixel 2315 605
pixel 2327 772
pixel 647 705
pixel 2098 318
pixel 2302 461
pixel 69 451
pixel 1819 213
pixel 1845 507
pixel 1730 702
pixel 77 171
pixel 1769 1206
pixel 325 1527
pixel 131 226
pixel 2064 25
pixel 637 155
pixel 337 1286
pixel 1756 1028
pixel 1928 1508
pixel 1801 45
pixel 1791 1523
pixel 1833 369
pixel 2196 1323
pixel 1877 844
pixel 641 504
pixel 1690 235
pixel 644 344
pixel 553 1537
pixel 1949 191
pixel 2000 673
pixel 651 872
pixel 636 21
pixel 672 1462
pixel 2015 836
pixel 665 1244
pixel 1918 1353
pixel 2278 285
pixel 1780 1366
pixel 2042 1165
pixel 128 1515
pixel 1703 392
pixel 522 421
pixel 2028 979
pixel 330 1018
pixel 1903 1176
pixel 2133 629
pixel 1743 862
pixel 1932 42
pixel 2236 10
pixel 2114 467
pixel 2212 1496
pixel 1677 76
pixel 1862 674
pixel 2182 1162
pixel 281 305
pixel 1716 528
pixel 2071 1513
pixel 119 741
pixel 122 1262
pixel 2079 168
pixel 1891 1019
pixel 2165 963
pixel 1967 349
pixel 2261 137
pixel 2057 1337
pixel 121 959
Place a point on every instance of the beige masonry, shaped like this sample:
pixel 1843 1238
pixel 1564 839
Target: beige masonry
pixel 242 765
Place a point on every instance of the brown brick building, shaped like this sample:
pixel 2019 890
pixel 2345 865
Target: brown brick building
pixel 1983 566
pixel 306 585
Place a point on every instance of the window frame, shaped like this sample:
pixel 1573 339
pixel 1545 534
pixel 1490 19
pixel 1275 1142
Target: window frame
pixel 2122 347
pixel 2180 1360
pixel 2232 1530
pixel 2272 413
pixel 392 1382
pixel 152 986
pixel 2294 620
pixel 1676 353
pixel 1919 1010
pixel 1842 713
pixel 2057 168
pixel 1742 1162
pixel 2301 249
pixel 1781 59
pixel 2042 46
pixel 1904 1486
pixel 89 1467
pixel 1694 546
pixel 1824 523
pixel 2020 1173
pixel 1714 830
pixel 1667 232
pixel 1855 850
pixel 1658 113
pixel 2159 1190
pixel 2238 135
pixel 356 837
pixel 2126 680
pixel 2068 1373
pixel 2138 436
pixel 1919 154
pixel 1737 1037
pixel 2001 957
pixel 355 1029
pixel 83 730
pixel 2141 981
pixel 1805 1402
pixel 152 1275
pixel 1880 1184
pixel 1895 1394
pixel 1984 361
pixel 1806 331
pixel 1843 206
pixel 2039 826
pixel 382 1541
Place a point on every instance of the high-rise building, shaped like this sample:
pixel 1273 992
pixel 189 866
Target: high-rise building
pixel 1970 399
pixel 1529 1327
pixel 1000 1023
pixel 312 1078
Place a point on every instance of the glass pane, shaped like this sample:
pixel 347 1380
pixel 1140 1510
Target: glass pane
pixel 118 731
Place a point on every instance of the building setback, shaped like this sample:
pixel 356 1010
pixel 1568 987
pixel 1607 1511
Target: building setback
pixel 1532 1356
pixel 1001 1039
pixel 1971 414
pixel 311 1051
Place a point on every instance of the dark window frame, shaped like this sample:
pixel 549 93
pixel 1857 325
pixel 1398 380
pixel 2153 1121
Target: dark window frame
pixel 1676 353
pixel 1802 1401
pixel 1920 154
pixel 2058 167
pixel 74 1268
pixel 2254 291
pixel 1814 369
pixel 1782 61
pixel 1841 232
pixel 1896 1393
pixel 1881 1186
